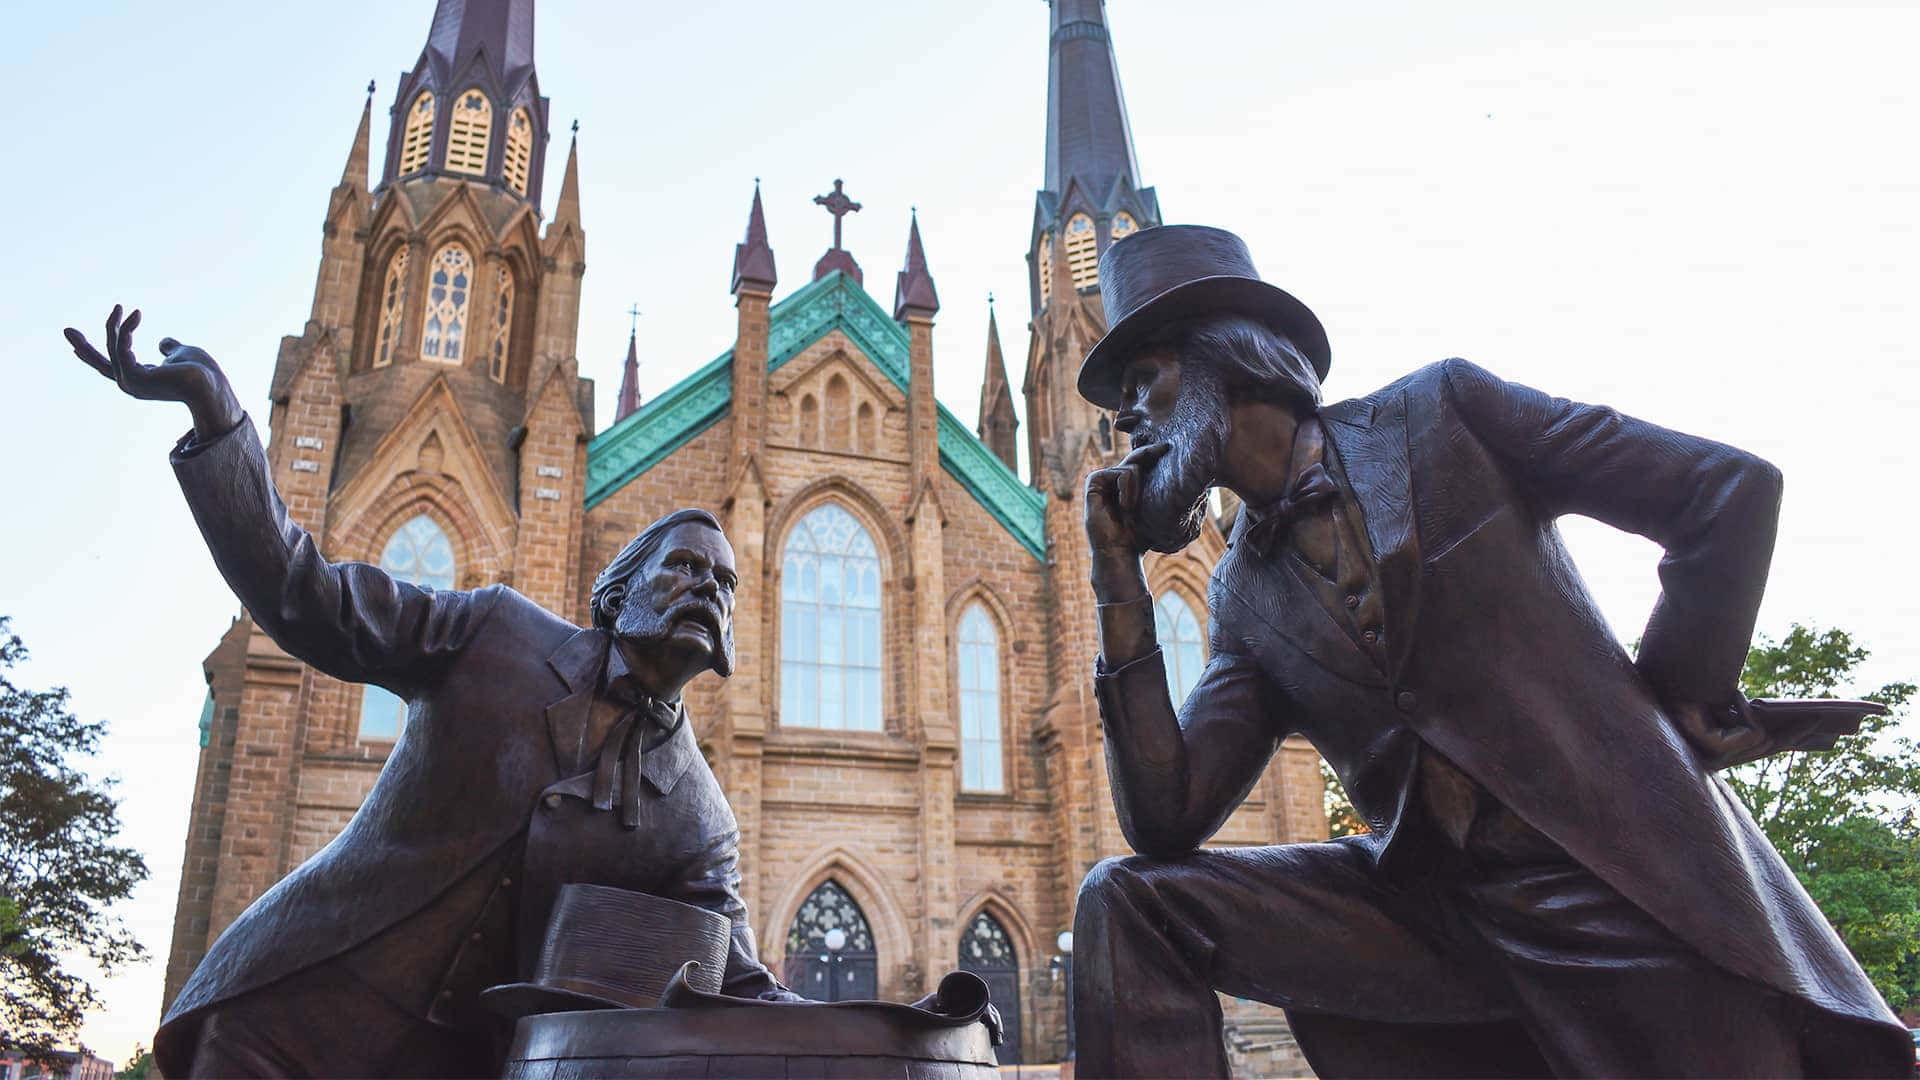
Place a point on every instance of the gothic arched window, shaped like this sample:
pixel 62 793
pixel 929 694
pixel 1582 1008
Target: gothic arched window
pixel 1123 225
pixel 979 656
pixel 393 305
pixel 813 970
pixel 418 136
pixel 502 322
pixel 1181 645
pixel 469 133
pixel 519 150
pixel 417 552
pixel 1083 252
pixel 449 284
pixel 987 950
pixel 830 624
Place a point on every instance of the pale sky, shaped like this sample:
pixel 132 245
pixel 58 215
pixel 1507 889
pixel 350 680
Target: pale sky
pixel 1704 214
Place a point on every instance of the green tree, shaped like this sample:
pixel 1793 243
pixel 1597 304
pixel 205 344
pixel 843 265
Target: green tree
pixel 139 1067
pixel 1845 819
pixel 59 869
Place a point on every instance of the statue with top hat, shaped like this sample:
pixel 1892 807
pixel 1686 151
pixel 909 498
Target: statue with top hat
pixel 1554 880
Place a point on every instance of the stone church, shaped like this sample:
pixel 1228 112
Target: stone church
pixel 910 742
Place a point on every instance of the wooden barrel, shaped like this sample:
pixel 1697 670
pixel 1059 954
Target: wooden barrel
pixel 827 1042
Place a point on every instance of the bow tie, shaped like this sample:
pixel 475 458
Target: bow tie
pixel 620 754
pixel 1311 488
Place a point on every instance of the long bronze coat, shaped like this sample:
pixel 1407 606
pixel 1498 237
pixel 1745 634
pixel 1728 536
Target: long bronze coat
pixel 500 691
pixel 1499 659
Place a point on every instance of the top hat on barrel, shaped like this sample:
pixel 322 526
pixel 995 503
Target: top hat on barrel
pixel 609 948
pixel 1171 272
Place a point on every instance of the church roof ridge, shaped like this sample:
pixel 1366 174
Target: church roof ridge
pixel 677 414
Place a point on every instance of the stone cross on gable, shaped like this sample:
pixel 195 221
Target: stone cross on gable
pixel 839 206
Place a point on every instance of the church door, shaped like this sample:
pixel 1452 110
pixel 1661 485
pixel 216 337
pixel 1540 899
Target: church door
pixel 986 951
pixel 816 971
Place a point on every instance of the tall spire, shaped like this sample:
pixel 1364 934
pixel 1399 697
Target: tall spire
pixel 470 107
pixel 998 427
pixel 1087 134
pixel 498 31
pixel 913 289
pixel 629 380
pixel 752 257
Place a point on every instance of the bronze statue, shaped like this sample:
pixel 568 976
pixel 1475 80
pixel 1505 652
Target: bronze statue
pixel 535 754
pixel 1554 882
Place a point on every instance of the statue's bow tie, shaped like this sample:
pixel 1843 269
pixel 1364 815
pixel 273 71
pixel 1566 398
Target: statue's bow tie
pixel 620 754
pixel 1310 490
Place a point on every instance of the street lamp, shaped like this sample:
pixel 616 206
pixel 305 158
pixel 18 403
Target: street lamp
pixel 835 940
pixel 1064 962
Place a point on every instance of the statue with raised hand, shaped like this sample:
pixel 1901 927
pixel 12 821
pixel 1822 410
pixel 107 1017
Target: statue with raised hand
pixel 535 754
pixel 1554 881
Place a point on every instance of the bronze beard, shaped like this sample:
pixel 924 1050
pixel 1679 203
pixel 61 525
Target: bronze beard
pixel 1173 493
pixel 641 626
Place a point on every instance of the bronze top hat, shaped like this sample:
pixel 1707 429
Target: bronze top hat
pixel 1174 271
pixel 609 948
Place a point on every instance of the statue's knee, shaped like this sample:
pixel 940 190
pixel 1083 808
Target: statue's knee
pixel 1110 879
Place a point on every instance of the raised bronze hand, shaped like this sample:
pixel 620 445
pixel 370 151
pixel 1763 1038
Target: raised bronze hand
pixel 187 375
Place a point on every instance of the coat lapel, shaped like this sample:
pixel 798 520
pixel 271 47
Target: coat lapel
pixel 578 663
pixel 1371 444
pixel 663 764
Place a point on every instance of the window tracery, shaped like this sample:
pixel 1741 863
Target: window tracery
pixel 519 150
pixel 469 133
pixel 393 305
pixel 449 284
pixel 417 552
pixel 978 647
pixel 1083 252
pixel 830 624
pixel 1181 644
pixel 418 137
pixel 502 322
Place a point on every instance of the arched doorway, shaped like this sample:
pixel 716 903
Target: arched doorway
pixel 987 951
pixel 852 973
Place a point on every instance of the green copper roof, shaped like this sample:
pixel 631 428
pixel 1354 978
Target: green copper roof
pixel 835 302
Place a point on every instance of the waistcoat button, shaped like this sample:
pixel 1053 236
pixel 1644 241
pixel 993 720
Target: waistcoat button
pixel 552 800
pixel 1406 701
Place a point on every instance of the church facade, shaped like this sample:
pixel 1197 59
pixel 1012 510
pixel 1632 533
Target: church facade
pixel 909 741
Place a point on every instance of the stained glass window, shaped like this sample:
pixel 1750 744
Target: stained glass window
pixel 986 945
pixel 417 552
pixel 419 134
pixel 830 624
pixel 1181 645
pixel 815 971
pixel 469 133
pixel 393 305
pixel 449 283
pixel 502 322
pixel 979 656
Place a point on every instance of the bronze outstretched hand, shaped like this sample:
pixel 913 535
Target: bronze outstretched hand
pixel 187 375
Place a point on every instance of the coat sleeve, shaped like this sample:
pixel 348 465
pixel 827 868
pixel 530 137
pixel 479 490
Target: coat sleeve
pixel 1176 778
pixel 350 620
pixel 1713 509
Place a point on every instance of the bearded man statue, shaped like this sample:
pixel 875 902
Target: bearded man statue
pixel 1554 881
pixel 535 753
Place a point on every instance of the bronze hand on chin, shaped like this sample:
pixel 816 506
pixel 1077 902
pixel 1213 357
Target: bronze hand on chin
pixel 1119 584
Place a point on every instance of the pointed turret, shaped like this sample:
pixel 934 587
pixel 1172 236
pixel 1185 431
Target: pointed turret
pixel 357 158
pixel 471 107
pixel 752 257
pixel 999 426
pixel 567 210
pixel 913 289
pixel 629 381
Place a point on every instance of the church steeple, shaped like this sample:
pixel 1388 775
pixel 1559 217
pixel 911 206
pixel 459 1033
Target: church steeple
pixel 999 427
pixel 471 107
pixel 629 402
pixel 1092 194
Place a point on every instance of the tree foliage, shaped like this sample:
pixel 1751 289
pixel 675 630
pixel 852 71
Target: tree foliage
pixel 1846 820
pixel 59 868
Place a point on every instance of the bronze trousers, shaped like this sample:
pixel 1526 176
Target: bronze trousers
pixel 1494 966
